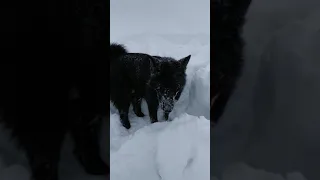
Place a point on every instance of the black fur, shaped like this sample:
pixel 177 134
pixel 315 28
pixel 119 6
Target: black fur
pixel 133 76
pixel 36 104
pixel 228 20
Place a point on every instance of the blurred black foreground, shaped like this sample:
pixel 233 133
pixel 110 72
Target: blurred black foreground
pixel 228 19
pixel 59 84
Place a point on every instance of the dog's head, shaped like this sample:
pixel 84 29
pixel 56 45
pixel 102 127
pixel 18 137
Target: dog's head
pixel 168 77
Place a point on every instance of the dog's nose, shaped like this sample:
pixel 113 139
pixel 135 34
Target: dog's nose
pixel 167 108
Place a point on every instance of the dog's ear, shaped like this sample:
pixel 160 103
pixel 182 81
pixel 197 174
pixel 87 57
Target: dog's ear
pixel 154 64
pixel 184 62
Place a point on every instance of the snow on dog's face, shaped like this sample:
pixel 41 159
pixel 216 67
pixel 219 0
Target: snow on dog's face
pixel 168 78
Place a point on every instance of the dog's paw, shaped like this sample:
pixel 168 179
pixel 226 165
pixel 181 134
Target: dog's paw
pixel 127 125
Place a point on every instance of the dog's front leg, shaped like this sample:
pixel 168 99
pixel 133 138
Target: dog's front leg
pixel 153 104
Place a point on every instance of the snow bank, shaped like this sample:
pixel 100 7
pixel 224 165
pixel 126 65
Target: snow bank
pixel 200 93
pixel 176 150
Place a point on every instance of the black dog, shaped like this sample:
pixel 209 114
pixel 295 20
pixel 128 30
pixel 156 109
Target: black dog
pixel 133 76
pixel 228 20
pixel 41 103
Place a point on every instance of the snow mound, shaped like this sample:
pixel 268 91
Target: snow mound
pixel 200 93
pixel 176 150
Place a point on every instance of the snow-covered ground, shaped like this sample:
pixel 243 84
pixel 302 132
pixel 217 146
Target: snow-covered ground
pixel 272 121
pixel 179 149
